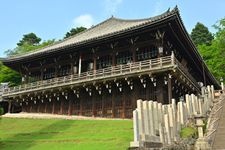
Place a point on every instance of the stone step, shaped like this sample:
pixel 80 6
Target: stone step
pixel 219 142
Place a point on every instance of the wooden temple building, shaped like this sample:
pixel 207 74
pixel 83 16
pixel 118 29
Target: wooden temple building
pixel 102 71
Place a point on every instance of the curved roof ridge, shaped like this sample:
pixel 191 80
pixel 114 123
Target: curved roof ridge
pixel 145 19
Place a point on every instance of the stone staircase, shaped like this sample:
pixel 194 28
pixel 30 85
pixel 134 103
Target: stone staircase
pixel 219 141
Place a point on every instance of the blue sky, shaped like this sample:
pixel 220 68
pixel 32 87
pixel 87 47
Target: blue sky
pixel 51 19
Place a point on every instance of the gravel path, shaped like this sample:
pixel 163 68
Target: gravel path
pixel 53 116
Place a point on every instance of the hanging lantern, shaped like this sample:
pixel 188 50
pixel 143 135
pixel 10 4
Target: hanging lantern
pixel 120 89
pixel 42 101
pixel 34 102
pixel 58 98
pixel 20 104
pixel 49 99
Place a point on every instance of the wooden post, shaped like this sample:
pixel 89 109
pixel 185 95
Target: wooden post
pixel 79 68
pixel 103 99
pixel 124 104
pixel 94 63
pixel 46 104
pixel 113 103
pixel 61 105
pixel 113 58
pixel 159 88
pixel 170 89
pixel 9 106
pixel 53 105
pixel 70 105
pixel 133 50
pixel 81 104
pixel 93 104
pixel 38 106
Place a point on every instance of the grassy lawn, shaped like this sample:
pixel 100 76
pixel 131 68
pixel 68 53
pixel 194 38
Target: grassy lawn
pixel 41 134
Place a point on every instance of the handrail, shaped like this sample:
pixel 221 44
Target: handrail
pixel 140 66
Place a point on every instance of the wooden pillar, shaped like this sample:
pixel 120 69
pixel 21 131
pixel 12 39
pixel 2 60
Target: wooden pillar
pixel 94 63
pixel 124 103
pixel 61 105
pixel 94 104
pixel 113 102
pixel 103 102
pixel 71 68
pixel 79 68
pixel 53 105
pixel 133 50
pixel 113 58
pixel 38 106
pixel 46 104
pixel 160 89
pixel 70 104
pixel 81 103
pixel 134 96
pixel 170 89
pixel 9 106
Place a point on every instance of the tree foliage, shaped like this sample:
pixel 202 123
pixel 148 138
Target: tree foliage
pixel 214 54
pixel 30 39
pixel 26 47
pixel 74 31
pixel 9 75
pixel 29 42
pixel 201 35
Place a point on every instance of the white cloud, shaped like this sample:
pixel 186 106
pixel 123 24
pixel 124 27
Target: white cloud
pixel 85 20
pixel 111 6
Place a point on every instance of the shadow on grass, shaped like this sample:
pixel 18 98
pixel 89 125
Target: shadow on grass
pixel 27 140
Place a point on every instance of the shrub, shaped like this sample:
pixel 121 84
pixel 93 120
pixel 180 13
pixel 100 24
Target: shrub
pixel 188 132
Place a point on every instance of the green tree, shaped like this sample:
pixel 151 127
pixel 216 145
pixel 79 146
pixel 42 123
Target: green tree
pixel 9 75
pixel 26 47
pixel 30 39
pixel 201 35
pixel 74 31
pixel 214 54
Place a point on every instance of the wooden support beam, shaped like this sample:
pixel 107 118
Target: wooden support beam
pixel 70 105
pixel 9 106
pixel 46 105
pixel 53 105
pixel 81 103
pixel 38 106
pixel 124 104
pixel 160 89
pixel 79 68
pixel 94 104
pixel 61 105
pixel 170 89
pixel 133 50
pixel 113 102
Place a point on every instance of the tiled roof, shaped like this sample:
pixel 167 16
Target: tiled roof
pixel 107 28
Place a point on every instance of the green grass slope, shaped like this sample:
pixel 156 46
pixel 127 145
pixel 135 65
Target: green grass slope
pixel 46 134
